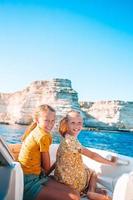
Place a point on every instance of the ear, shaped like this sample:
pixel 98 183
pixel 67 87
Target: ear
pixel 35 119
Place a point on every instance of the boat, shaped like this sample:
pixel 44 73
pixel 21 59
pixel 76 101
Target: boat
pixel 11 174
pixel 117 180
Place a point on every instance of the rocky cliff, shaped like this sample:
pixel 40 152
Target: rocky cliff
pixel 18 107
pixel 113 115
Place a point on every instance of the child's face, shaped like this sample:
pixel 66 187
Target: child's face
pixel 46 120
pixel 75 123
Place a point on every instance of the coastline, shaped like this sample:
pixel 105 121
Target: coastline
pixel 109 130
pixel 93 129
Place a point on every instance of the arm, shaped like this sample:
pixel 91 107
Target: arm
pixel 97 157
pixel 51 169
pixel 44 143
pixel 45 161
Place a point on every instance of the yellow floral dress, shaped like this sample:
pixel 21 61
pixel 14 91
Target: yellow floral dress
pixel 70 169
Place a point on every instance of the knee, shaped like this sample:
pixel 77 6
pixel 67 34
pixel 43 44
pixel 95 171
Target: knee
pixel 75 196
pixel 94 176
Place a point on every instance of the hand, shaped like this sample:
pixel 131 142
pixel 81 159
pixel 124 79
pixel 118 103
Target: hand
pixel 114 160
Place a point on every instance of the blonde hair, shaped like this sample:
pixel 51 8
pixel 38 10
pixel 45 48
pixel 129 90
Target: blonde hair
pixel 32 126
pixel 63 126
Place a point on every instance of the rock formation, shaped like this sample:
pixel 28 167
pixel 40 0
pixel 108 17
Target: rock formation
pixel 113 115
pixel 18 107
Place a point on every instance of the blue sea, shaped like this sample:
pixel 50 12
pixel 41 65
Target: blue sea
pixel 119 142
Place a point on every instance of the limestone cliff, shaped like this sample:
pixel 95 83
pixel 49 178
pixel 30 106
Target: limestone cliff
pixel 18 107
pixel 113 115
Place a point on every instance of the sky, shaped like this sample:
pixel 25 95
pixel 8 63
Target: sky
pixel 89 42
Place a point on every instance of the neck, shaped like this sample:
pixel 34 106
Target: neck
pixel 69 134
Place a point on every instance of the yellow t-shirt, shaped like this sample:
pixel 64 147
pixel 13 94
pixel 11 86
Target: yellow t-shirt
pixel 30 154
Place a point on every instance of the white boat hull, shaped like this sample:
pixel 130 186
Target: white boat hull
pixel 11 175
pixel 118 180
pixel 110 177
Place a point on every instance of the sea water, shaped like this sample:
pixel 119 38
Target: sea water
pixel 119 142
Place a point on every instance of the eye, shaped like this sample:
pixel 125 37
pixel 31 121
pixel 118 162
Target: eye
pixel 72 123
pixel 45 120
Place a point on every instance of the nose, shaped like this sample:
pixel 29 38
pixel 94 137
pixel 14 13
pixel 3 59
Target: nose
pixel 50 123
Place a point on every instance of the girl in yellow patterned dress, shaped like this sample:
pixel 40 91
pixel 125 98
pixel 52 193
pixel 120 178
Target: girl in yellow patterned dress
pixel 69 168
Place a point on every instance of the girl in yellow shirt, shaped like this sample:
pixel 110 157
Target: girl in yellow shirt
pixel 35 160
pixel 70 168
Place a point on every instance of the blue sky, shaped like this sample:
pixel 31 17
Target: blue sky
pixel 89 42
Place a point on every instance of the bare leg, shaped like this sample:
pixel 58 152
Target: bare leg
pixel 92 182
pixel 101 191
pixel 96 196
pixel 57 191
pixel 92 192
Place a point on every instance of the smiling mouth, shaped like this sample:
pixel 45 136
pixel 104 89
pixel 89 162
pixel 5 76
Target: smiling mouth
pixel 47 128
pixel 76 130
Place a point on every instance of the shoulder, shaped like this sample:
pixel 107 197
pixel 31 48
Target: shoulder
pixel 45 138
pixel 41 137
pixel 71 144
